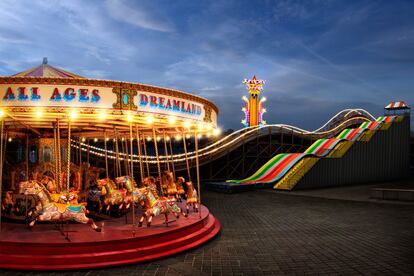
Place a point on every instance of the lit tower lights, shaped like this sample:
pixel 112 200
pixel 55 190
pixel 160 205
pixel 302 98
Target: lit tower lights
pixel 253 108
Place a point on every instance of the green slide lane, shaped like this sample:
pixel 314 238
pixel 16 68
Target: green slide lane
pixel 344 133
pixel 314 145
pixel 262 170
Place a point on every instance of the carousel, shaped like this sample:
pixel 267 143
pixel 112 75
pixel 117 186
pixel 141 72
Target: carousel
pixel 87 172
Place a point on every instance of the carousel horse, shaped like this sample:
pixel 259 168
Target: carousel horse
pixel 171 187
pixel 74 179
pixel 131 190
pixel 52 211
pixel 156 206
pixel 180 188
pixel 8 204
pixel 150 183
pixel 94 196
pixel 163 183
pixel 192 198
pixel 50 185
pixel 112 196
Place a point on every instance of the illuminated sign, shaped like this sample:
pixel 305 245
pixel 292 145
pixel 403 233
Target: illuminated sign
pixel 74 96
pixel 161 103
pixel 57 95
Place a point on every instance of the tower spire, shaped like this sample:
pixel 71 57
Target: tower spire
pixel 253 108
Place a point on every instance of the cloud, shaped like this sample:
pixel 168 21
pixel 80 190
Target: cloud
pixel 316 56
pixel 137 16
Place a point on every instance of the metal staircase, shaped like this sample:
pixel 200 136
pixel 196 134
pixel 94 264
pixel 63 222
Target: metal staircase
pixel 296 173
pixel 341 149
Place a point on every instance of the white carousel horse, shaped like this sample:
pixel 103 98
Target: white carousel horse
pixel 52 211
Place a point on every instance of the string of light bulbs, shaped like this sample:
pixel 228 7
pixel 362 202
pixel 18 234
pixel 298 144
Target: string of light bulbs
pixel 203 152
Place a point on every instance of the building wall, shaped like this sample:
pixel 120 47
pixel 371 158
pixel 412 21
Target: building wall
pixel 385 157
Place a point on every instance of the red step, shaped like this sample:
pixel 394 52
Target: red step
pixel 87 255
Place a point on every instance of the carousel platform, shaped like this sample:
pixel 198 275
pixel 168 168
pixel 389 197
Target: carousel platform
pixel 45 247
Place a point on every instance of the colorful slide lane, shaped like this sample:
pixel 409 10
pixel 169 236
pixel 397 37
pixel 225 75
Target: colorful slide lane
pixel 277 167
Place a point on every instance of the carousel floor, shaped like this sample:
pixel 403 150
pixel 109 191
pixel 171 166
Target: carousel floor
pixel 45 247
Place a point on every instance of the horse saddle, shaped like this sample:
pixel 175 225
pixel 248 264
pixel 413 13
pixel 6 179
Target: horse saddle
pixel 72 208
pixel 75 208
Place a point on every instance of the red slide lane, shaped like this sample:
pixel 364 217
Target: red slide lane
pixel 279 168
pixel 326 146
pixel 353 133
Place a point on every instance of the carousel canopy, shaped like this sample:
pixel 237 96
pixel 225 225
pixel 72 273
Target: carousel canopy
pixel 38 98
pixel 45 70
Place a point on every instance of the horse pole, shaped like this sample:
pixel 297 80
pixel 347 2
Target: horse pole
pixel 158 158
pixel 146 155
pixel 172 159
pixel 132 177
pixel 186 157
pixel 68 159
pixel 106 156
pixel 56 148
pixel 198 172
pixel 141 169
pixel 59 157
pixel 167 160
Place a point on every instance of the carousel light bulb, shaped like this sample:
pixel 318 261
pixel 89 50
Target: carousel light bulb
pixel 188 136
pixel 172 120
pixel 150 120
pixel 83 139
pixel 107 139
pixel 167 138
pixel 102 115
pixel 178 137
pixel 244 109
pixel 149 138
pixel 73 115
pixel 264 110
pixel 10 139
pixel 201 126
pixel 216 132
pixel 264 99
pixel 130 117
pixel 95 140
pixel 244 98
pixel 199 136
pixel 208 134
pixel 122 139
pixel 39 113
pixel 2 113
pixel 158 138
pixel 187 124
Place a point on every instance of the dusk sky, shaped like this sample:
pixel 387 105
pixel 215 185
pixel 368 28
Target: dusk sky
pixel 317 57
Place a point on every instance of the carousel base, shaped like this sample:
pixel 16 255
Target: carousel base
pixel 77 246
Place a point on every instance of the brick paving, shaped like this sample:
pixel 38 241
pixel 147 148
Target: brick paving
pixel 269 233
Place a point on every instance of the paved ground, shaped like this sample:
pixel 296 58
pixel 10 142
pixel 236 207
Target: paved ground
pixel 269 233
pixel 357 192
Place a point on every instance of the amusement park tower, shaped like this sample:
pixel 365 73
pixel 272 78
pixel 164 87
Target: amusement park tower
pixel 253 107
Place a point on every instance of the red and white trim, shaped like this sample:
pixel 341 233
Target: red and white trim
pixel 397 105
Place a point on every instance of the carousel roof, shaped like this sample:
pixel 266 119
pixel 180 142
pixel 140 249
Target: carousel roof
pixel 45 70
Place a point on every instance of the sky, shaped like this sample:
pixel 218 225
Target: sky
pixel 317 57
